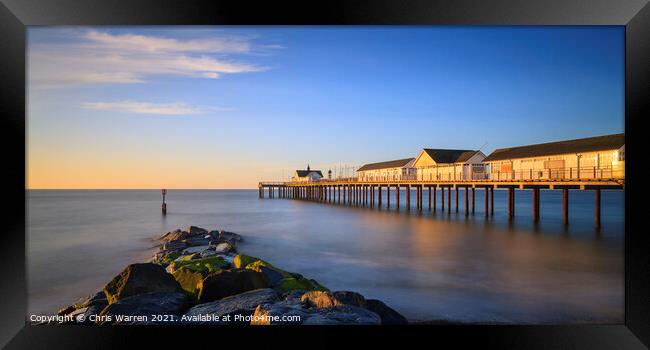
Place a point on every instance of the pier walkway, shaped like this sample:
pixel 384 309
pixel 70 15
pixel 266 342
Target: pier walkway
pixel 352 192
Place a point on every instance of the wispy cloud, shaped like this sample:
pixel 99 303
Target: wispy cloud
pixel 176 108
pixel 132 42
pixel 100 57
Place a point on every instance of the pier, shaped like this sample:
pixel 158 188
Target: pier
pixel 353 192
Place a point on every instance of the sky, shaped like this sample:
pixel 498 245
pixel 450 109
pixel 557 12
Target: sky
pixel 201 107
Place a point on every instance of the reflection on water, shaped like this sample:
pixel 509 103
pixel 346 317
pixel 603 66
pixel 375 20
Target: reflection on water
pixel 427 266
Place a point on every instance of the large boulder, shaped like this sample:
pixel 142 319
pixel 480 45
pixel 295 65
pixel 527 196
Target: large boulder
pixel 342 315
pixel 174 235
pixel 82 315
pixel 231 237
pixel 274 276
pixel 272 313
pixel 286 312
pixel 319 299
pixel 225 283
pixel 350 298
pixel 195 231
pixel 387 315
pixel 196 249
pixel 223 247
pixel 174 246
pixel 139 279
pixel 161 303
pixel 196 241
pixel 242 304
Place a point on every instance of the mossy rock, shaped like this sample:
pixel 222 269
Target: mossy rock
pixel 290 281
pixel 188 257
pixel 300 283
pixel 248 262
pixel 168 258
pixel 242 261
pixel 190 282
pixel 203 266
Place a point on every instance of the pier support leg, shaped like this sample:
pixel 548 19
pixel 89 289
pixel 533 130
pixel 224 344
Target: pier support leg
pixel 359 193
pixel 449 200
pixel 456 193
pixel 397 190
pixel 346 195
pixel 408 197
pixel 442 198
pixel 511 202
pixel 466 201
pixel 367 195
pixel 473 199
pixel 597 208
pixel 491 201
pixel 379 197
pixel 435 190
pixel 565 206
pixel 487 205
pixel 421 197
pixel 338 194
pixel 388 197
pixel 429 199
pixel 535 204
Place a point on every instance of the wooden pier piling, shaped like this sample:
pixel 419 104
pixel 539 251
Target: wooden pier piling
pixel 408 197
pixel 535 204
pixel 491 201
pixel 487 208
pixel 434 198
pixel 466 191
pixel 388 196
pixel 397 190
pixel 565 206
pixel 597 208
pixel 473 200
pixel 511 203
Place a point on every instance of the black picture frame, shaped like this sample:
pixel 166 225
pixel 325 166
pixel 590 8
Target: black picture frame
pixel 15 15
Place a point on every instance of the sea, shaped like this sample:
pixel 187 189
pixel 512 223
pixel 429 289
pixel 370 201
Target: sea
pixel 442 266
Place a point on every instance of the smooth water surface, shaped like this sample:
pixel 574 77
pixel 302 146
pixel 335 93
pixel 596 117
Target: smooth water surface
pixel 427 266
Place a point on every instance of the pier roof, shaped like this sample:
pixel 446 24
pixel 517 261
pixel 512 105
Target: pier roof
pixel 589 144
pixel 303 173
pixel 385 165
pixel 449 155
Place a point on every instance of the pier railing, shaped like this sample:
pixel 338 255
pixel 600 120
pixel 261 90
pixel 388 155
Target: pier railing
pixel 603 173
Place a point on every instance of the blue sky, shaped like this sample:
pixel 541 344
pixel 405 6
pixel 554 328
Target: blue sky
pixel 139 107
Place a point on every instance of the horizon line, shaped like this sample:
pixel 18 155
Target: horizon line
pixel 135 189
